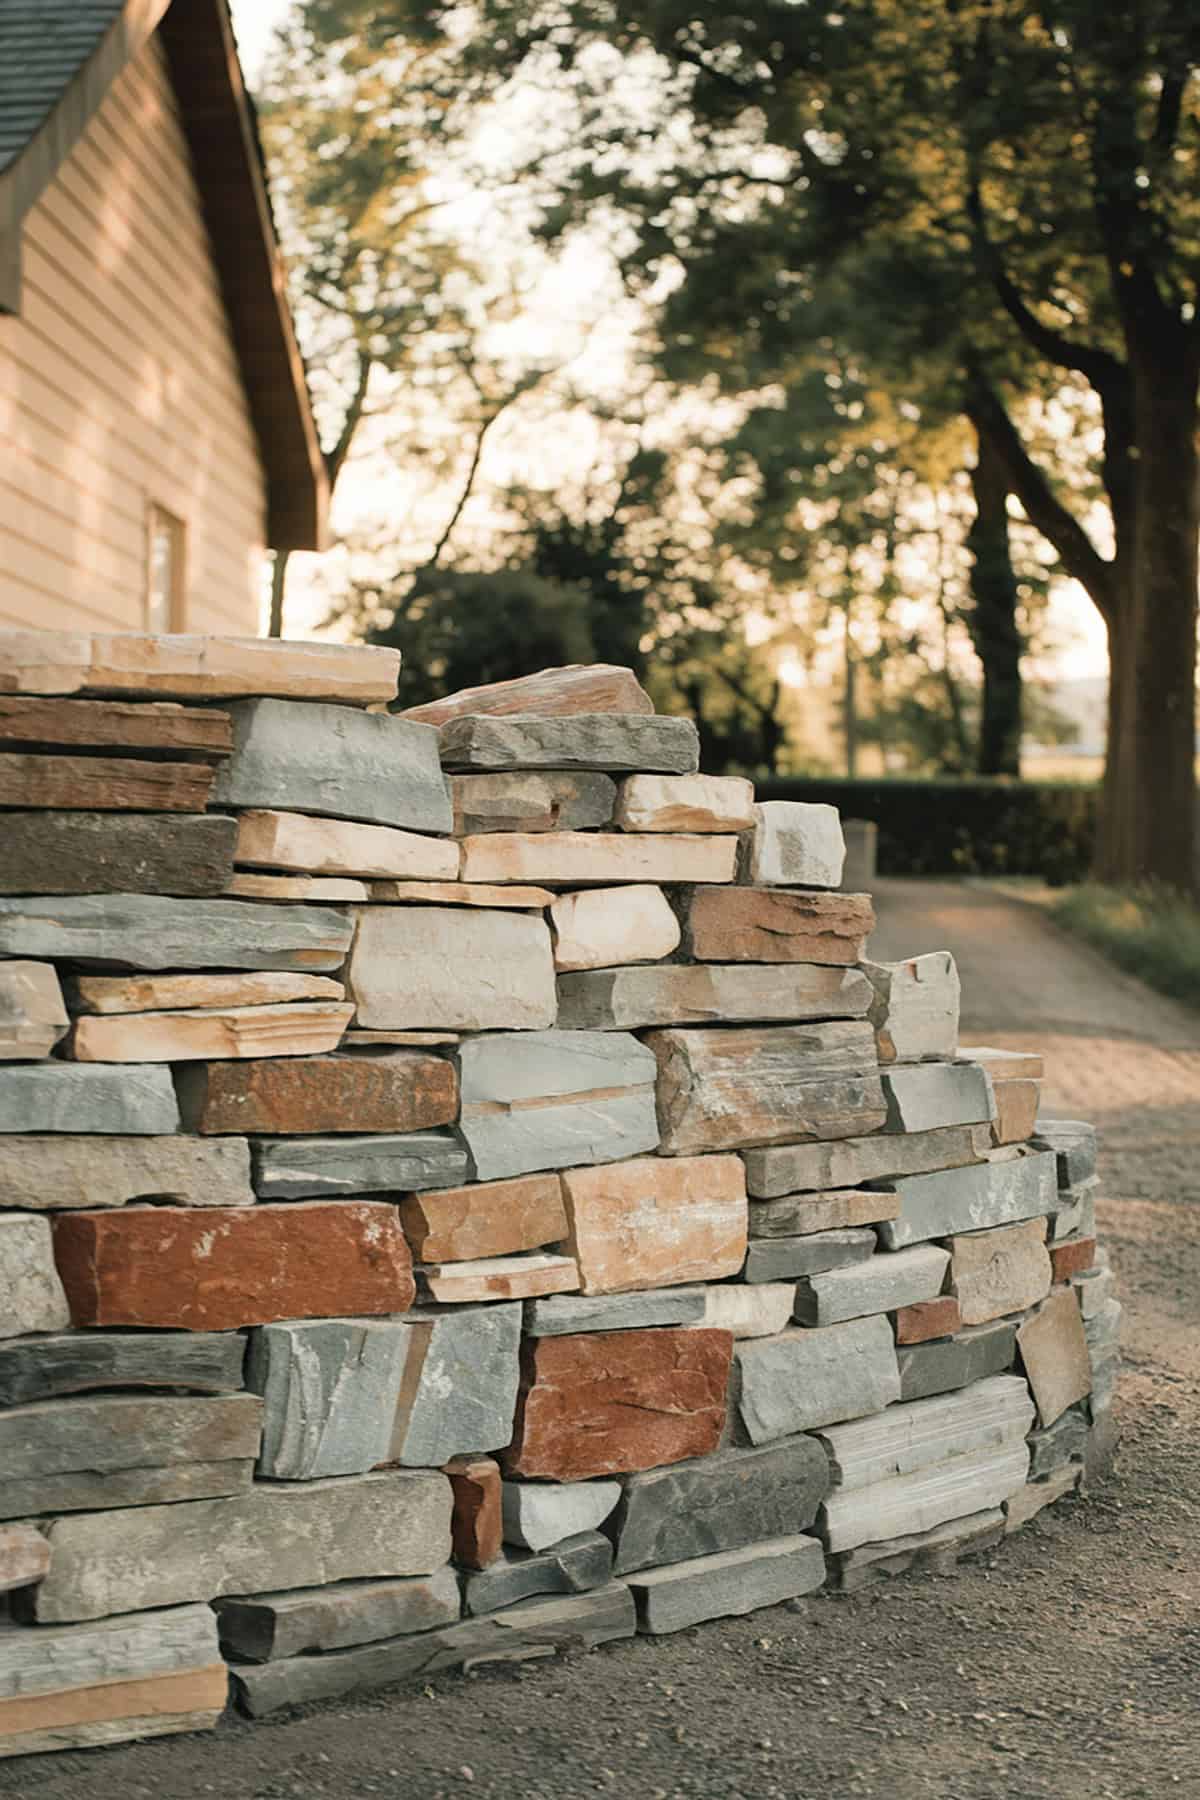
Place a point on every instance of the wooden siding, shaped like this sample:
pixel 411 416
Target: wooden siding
pixel 119 387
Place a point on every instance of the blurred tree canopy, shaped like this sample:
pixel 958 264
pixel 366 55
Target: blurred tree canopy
pixel 981 204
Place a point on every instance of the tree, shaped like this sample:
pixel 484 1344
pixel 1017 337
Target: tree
pixel 1034 167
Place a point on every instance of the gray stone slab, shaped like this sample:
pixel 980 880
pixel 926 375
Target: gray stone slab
pixel 882 1283
pixel 1002 1191
pixel 726 1585
pixel 922 1433
pixel 127 1098
pixel 916 1007
pixel 721 1502
pixel 534 1628
pixel 330 1389
pixel 561 1136
pixel 459 1394
pixel 1074 1143
pixel 603 1081
pixel 1102 1330
pixel 1053 1447
pixel 31 1294
pixel 1105 1376
pixel 804 1379
pixel 1076 1214
pixel 538 1515
pixel 117 853
pixel 78 1362
pixel 268 1627
pixel 575 1566
pixel 337 762
pixel 132 1648
pixel 810 1168
pixel 125 1431
pixel 975 1482
pixel 708 994
pixel 530 800
pixel 452 968
pixel 562 1315
pixel 795 843
pixel 955 1362
pixel 62 1171
pixel 617 742
pixel 1093 1288
pixel 389 1523
pixel 151 931
pixel 934 1096
pixel 939 1549
pixel 785 1259
pixel 85 1491
pixel 325 1168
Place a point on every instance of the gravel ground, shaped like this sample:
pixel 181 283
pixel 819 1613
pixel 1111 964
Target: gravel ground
pixel 1065 1664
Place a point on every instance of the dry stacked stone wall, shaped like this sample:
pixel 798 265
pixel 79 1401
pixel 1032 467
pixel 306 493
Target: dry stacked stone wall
pixel 466 1192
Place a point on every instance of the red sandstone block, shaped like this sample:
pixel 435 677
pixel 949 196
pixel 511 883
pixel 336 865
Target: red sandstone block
pixel 927 1319
pixel 475 1527
pixel 609 1402
pixel 217 1268
pixel 1072 1257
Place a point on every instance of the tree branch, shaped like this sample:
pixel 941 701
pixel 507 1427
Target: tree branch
pixel 1044 510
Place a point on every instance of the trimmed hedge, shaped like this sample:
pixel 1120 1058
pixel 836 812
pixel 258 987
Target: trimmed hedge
pixel 964 827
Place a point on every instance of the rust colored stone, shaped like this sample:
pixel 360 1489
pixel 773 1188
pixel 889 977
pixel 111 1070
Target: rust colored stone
pixel 607 1403
pixel 927 1319
pixel 1072 1257
pixel 490 1218
pixel 219 1268
pixel 475 1525
pixel 767 925
pixel 402 1090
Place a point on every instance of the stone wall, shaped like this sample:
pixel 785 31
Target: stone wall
pixel 466 1192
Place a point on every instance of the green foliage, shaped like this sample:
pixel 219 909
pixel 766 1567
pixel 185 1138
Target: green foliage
pixel 1149 932
pixel 964 827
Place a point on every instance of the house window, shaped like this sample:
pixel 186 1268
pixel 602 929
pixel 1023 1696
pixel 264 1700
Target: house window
pixel 166 581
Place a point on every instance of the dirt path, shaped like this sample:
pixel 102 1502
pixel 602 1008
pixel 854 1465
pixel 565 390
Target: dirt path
pixel 1067 1664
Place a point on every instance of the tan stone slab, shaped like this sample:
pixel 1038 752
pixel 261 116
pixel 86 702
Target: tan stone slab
pixel 114 1712
pixel 311 846
pixel 24 1557
pixel 916 1007
pixel 579 858
pixel 652 1223
pixel 62 1171
pixel 499 1278
pixel 1054 1350
pixel 469 970
pixel 193 667
pixel 603 927
pixel 1002 1271
pixel 160 727
pixel 461 893
pixel 299 1029
pixel 749 1309
pixel 487 1219
pixel 575 688
pixel 33 1016
pixel 399 1090
pixel 325 890
pixel 1016 1110
pixel 1004 1065
pixel 730 1088
pixel 412 1040
pixel 844 1209
pixel 770 925
pixel 103 784
pixel 685 803
pixel 196 993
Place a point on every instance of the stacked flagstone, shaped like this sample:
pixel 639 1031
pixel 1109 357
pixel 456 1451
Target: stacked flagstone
pixel 465 1193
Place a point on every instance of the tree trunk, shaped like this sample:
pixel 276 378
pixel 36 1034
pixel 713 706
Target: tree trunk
pixel 278 588
pixel 995 632
pixel 1158 798
pixel 850 697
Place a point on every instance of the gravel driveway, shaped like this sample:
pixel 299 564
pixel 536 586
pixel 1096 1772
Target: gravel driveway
pixel 1066 1664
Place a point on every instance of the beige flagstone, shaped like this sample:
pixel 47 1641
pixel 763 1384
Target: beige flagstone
pixel 575 688
pixel 323 889
pixel 299 1029
pixel 603 927
pixel 32 1015
pixel 569 858
pixel 193 667
pixel 311 846
pixel 685 803
pixel 196 993
pixel 499 1278
pixel 460 893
